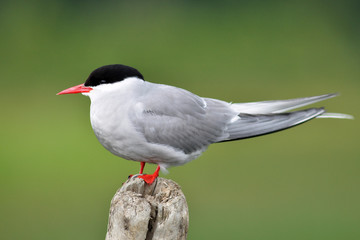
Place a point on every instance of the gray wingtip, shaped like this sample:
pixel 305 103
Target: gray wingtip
pixel 328 95
pixel 334 94
pixel 334 115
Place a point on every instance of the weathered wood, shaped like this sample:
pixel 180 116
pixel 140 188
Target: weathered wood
pixel 148 212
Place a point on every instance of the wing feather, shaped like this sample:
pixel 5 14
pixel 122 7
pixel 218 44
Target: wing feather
pixel 252 125
pixel 179 119
pixel 279 106
pixel 184 121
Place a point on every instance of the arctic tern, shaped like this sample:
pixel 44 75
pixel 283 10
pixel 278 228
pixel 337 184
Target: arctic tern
pixel 169 126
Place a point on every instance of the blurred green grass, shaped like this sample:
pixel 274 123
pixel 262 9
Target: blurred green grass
pixel 57 180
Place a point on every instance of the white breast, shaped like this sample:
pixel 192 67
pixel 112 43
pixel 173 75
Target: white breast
pixel 109 115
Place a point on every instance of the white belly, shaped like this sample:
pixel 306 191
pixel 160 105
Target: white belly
pixel 116 133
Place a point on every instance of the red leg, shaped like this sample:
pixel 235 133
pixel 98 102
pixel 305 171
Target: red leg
pixel 142 165
pixel 150 178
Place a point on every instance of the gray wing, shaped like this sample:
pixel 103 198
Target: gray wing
pixel 279 106
pixel 252 125
pixel 177 118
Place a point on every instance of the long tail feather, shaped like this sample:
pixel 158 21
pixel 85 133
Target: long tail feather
pixel 335 115
pixel 278 106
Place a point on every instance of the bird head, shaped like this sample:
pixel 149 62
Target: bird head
pixel 104 75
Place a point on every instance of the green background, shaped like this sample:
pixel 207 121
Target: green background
pixel 56 180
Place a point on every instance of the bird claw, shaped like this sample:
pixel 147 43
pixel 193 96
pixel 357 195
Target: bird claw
pixel 148 178
pixel 134 175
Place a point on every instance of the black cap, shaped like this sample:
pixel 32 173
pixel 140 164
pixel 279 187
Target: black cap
pixel 110 74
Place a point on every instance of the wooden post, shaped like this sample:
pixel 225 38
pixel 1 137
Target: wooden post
pixel 148 212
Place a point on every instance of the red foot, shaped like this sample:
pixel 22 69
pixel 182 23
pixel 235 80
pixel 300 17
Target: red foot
pixel 150 178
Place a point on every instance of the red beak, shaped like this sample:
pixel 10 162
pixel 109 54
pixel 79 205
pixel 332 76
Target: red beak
pixel 76 89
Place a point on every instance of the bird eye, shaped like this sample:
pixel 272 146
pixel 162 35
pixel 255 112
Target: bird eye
pixel 102 81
